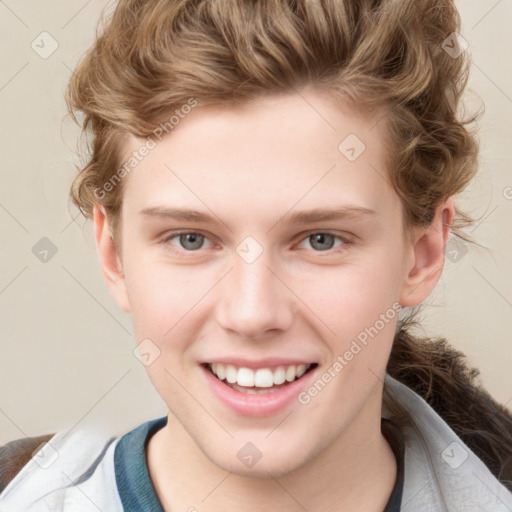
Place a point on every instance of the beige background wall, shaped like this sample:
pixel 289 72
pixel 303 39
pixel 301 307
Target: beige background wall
pixel 66 349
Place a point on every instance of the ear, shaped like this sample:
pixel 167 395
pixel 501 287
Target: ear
pixel 110 261
pixel 426 263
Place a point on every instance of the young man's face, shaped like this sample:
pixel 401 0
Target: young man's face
pixel 252 288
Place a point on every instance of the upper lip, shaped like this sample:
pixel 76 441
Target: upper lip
pixel 270 362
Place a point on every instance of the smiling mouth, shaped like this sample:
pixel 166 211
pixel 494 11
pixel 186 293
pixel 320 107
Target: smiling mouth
pixel 261 380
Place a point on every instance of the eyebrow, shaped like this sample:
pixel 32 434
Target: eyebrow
pixel 301 217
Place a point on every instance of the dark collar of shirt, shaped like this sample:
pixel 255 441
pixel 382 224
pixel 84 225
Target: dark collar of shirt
pixel 396 440
pixel 136 489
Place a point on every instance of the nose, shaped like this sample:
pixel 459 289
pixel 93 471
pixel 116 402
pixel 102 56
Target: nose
pixel 254 300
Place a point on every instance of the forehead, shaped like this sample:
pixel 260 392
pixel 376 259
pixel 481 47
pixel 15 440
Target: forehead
pixel 264 157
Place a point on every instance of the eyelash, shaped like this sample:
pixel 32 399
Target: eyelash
pixel 346 242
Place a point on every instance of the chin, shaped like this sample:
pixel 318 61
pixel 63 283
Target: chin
pixel 249 461
pixel 262 470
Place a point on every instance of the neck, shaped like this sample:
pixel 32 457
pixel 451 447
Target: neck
pixel 355 473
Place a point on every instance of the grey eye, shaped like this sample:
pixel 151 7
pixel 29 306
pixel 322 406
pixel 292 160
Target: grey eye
pixel 322 241
pixel 194 239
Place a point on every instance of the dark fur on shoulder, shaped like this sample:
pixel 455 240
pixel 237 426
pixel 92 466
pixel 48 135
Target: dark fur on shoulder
pixel 441 375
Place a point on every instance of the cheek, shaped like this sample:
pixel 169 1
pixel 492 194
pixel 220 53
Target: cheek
pixel 161 294
pixel 360 307
pixel 351 297
pixel 164 310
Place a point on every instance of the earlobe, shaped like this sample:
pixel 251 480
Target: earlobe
pixel 109 259
pixel 427 256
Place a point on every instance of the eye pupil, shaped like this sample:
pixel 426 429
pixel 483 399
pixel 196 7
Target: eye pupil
pixel 194 238
pixel 321 238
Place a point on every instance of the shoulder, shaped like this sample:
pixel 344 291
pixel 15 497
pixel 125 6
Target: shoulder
pixel 60 471
pixel 442 377
pixel 16 454
pixel 440 468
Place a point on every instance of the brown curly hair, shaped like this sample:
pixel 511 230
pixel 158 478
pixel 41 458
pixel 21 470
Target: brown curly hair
pixel 378 56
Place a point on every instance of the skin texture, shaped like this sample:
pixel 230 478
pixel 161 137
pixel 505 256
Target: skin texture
pixel 250 169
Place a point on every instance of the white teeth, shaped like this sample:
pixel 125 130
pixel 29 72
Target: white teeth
pixel 301 370
pixel 245 377
pixel 260 378
pixel 252 391
pixel 263 378
pixel 291 372
pixel 220 371
pixel 231 373
pixel 279 375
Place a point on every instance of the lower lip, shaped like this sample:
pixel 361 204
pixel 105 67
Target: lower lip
pixel 256 405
